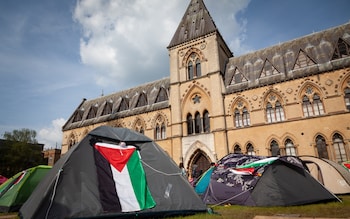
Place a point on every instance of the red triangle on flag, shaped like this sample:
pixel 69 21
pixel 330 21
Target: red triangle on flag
pixel 117 157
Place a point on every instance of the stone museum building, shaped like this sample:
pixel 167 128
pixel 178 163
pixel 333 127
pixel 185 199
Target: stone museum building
pixel 289 99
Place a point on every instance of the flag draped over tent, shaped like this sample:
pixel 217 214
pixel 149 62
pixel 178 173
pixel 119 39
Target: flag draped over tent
pixel 128 189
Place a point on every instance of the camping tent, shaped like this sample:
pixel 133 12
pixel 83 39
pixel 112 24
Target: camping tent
pixel 95 179
pixel 2 179
pixel 264 181
pixel 16 190
pixel 332 175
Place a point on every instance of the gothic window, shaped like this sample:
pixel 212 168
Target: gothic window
pixel 158 134
pixel 189 121
pixel 307 107
pixel 194 68
pixel 107 108
pixel 123 105
pixel 241 115
pixel 312 103
pixel 341 50
pixel 162 95
pixel 237 149
pixel 339 148
pixel 139 127
pixel 190 70
pixel 274 109
pixel 250 149
pixel 78 116
pixel 206 122
pixel 279 111
pixel 290 148
pixel 198 71
pixel 92 112
pixel 198 123
pixel 163 131
pixel 238 119
pixel 347 98
pixel 303 60
pixel 274 148
pixel 321 147
pixel 142 101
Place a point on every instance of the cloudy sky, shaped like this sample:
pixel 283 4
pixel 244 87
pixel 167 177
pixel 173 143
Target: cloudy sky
pixel 55 53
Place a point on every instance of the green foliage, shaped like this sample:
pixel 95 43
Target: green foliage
pixel 20 151
pixel 23 135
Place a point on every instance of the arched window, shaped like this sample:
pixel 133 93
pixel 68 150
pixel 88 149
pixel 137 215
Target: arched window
pixel 238 118
pixel 157 132
pixel 194 68
pixel 321 147
pixel 339 148
pixel 198 123
pixel 198 71
pixel 275 150
pixel 307 107
pixel 290 148
pixel 270 114
pixel 163 131
pixel 250 149
pixel 274 113
pixel 189 121
pixel 190 70
pixel 317 105
pixel 312 103
pixel 206 122
pixel 237 149
pixel 347 97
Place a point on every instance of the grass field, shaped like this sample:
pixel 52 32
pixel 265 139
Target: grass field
pixel 330 210
pixel 324 210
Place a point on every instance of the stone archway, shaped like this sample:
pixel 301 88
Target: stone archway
pixel 198 163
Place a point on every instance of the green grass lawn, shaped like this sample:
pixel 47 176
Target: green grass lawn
pixel 332 210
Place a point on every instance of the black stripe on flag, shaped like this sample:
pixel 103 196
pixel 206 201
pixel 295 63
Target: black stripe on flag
pixel 108 194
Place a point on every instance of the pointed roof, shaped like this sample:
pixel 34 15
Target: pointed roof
pixel 196 22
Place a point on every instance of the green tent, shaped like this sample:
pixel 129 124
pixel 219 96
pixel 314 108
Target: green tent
pixel 17 189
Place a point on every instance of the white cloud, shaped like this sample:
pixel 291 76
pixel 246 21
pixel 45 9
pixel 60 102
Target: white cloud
pixel 125 41
pixel 52 136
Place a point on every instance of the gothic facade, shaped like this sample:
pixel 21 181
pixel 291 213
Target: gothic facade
pixel 288 99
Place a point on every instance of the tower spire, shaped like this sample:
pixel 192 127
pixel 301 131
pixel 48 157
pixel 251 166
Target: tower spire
pixel 195 23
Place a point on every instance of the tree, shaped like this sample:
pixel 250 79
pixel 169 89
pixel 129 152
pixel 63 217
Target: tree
pixel 24 135
pixel 20 151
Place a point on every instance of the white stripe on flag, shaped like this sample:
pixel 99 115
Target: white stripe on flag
pixel 126 194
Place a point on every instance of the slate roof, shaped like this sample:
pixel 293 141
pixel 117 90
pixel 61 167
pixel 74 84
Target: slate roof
pixel 317 48
pixel 195 23
pixel 151 90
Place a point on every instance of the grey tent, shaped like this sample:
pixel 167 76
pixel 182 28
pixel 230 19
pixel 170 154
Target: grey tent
pixel 264 181
pixel 331 174
pixel 76 187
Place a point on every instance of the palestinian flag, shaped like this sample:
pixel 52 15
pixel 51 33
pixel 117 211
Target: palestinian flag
pixel 259 163
pixel 122 180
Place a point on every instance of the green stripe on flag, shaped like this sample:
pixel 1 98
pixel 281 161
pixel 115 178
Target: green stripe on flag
pixel 138 180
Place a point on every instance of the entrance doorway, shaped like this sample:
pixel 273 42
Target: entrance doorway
pixel 198 163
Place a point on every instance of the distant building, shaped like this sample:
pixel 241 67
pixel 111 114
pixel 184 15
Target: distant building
pixel 52 156
pixel 289 99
